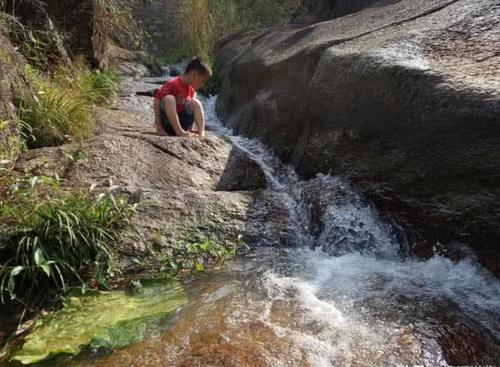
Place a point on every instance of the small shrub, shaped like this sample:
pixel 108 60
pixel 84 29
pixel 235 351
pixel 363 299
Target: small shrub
pixel 202 23
pixel 198 26
pixel 55 236
pixel 96 87
pixel 31 43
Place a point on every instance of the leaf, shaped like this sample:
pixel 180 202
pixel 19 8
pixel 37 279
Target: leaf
pixel 47 269
pixel 199 266
pixel 16 271
pixel 38 256
pixel 34 181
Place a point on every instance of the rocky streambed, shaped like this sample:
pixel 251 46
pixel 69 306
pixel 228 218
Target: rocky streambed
pixel 329 281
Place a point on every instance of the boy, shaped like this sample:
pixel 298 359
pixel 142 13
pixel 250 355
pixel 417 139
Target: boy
pixel 176 106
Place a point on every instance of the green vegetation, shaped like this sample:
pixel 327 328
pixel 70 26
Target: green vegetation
pixel 93 86
pixel 103 320
pixel 124 29
pixel 10 144
pixel 61 107
pixel 53 236
pixel 193 251
pixel 203 23
pixel 34 44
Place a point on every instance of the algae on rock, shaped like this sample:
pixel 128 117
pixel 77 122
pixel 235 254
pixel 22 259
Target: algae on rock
pixel 102 321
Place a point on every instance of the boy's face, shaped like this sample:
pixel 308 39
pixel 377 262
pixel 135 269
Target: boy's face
pixel 198 80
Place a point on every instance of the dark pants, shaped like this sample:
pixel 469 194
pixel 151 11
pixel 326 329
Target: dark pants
pixel 185 118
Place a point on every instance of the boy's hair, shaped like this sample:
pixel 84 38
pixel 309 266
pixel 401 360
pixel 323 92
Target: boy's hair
pixel 200 66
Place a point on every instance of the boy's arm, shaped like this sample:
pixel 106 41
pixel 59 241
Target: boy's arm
pixel 199 117
pixel 201 127
pixel 158 125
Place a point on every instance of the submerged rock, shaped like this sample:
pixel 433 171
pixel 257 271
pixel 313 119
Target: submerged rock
pixel 102 321
pixel 402 97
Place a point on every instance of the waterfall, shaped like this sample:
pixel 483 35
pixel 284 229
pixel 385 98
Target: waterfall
pixel 358 256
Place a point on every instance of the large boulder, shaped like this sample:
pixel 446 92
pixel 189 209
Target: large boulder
pixel 402 97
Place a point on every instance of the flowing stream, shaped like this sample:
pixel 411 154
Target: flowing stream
pixel 341 294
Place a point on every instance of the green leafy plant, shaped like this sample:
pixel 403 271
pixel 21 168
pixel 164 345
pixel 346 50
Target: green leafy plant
pixel 198 27
pixel 33 44
pixel 55 116
pixel 55 236
pixel 194 252
pixel 96 87
pixel 204 22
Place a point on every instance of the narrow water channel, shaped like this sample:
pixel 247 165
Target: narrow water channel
pixel 342 294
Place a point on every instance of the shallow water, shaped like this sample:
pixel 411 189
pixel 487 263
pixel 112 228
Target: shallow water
pixel 298 307
pixel 342 294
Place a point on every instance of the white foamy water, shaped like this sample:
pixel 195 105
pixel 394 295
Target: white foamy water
pixel 366 293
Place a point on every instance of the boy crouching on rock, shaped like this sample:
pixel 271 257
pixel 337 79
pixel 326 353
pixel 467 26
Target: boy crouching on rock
pixel 176 108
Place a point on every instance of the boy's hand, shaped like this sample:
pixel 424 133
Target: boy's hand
pixel 197 133
pixel 188 134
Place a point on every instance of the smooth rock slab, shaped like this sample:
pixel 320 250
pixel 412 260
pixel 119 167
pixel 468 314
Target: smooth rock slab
pixel 403 98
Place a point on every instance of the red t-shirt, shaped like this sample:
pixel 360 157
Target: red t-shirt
pixel 183 93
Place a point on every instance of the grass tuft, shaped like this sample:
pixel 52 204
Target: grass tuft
pixel 61 108
pixel 53 237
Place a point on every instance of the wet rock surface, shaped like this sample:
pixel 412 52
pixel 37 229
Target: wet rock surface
pixel 401 97
pixel 241 173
